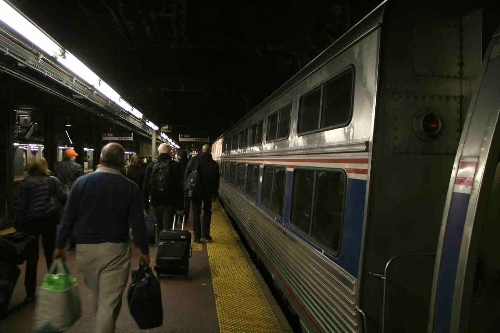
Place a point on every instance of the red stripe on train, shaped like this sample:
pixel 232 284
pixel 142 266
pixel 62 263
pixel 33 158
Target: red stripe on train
pixel 315 160
pixel 350 170
pixel 464 181
pixel 463 165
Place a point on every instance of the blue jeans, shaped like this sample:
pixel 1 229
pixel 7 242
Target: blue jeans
pixel 202 230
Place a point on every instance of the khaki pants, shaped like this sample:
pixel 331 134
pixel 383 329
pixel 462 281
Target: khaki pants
pixel 105 267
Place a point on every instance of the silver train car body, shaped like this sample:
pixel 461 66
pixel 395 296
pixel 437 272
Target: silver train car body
pixel 340 178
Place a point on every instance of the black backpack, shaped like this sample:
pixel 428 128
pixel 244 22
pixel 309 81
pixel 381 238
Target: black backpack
pixel 159 181
pixel 192 184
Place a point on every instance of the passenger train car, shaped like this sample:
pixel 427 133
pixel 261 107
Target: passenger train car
pixel 368 183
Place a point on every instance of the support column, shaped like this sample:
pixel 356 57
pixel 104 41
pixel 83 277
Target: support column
pixel 6 153
pixel 97 140
pixel 49 139
pixel 153 145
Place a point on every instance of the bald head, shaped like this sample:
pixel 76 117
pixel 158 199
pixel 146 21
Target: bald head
pixel 206 148
pixel 113 156
pixel 164 149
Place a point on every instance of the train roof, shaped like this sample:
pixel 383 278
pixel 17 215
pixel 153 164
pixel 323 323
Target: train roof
pixel 358 31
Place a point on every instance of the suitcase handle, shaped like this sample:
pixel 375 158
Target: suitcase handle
pixel 183 220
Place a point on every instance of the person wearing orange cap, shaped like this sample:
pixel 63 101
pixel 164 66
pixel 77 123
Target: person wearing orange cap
pixel 68 171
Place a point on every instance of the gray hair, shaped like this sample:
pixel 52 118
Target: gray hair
pixel 113 155
pixel 164 149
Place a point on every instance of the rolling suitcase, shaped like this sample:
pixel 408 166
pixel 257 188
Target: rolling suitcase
pixel 174 251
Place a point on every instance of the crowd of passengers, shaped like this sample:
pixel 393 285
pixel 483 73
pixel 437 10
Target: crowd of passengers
pixel 96 212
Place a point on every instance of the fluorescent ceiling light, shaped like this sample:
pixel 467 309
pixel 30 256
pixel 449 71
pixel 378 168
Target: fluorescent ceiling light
pixel 14 19
pixel 107 91
pixel 28 30
pixel 76 66
pixel 153 126
pixel 136 113
pixel 125 106
pixel 69 138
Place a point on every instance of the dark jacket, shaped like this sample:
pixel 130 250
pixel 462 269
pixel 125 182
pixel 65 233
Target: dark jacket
pixel 172 197
pixel 37 200
pixel 136 174
pixel 209 173
pixel 183 162
pixel 101 208
pixel 68 171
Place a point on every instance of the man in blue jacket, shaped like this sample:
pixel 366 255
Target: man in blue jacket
pixel 100 209
pixel 209 179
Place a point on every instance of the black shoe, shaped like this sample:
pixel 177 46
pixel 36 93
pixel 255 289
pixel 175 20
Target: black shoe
pixel 197 241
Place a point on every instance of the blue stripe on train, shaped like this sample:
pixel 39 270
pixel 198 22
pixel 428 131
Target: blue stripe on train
pixel 352 229
pixel 449 261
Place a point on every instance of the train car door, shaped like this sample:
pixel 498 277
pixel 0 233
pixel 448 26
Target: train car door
pixel 466 286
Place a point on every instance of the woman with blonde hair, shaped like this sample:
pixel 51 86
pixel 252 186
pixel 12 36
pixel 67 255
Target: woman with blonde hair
pixel 37 215
pixel 135 172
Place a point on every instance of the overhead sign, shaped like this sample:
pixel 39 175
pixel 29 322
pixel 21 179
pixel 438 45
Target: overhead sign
pixel 188 138
pixel 118 137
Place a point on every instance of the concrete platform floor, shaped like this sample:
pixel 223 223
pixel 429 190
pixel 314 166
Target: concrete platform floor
pixel 188 304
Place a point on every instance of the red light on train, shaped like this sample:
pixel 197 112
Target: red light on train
pixel 431 124
pixel 427 125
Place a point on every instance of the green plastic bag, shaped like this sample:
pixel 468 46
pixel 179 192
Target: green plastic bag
pixel 58 282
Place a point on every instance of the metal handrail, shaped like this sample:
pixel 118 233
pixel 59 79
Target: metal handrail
pixel 384 278
pixel 363 316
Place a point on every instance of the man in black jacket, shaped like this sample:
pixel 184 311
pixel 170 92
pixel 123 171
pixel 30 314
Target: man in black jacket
pixel 183 162
pixel 68 170
pixel 209 179
pixel 168 196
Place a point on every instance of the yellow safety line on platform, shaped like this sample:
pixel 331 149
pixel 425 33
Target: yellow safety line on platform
pixel 7 231
pixel 241 303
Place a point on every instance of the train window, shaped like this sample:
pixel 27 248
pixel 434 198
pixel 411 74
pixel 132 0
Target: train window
pixel 225 165
pixel 303 189
pixel 278 123
pixel 327 106
pixel 256 133
pixel 337 100
pixel 309 111
pixel 240 177
pixel 272 126
pixel 318 205
pixel 232 173
pixel 273 189
pixel 227 146
pixel 234 142
pixel 252 186
pixel 243 139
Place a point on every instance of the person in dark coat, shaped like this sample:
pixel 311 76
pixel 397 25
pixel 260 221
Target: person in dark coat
pixel 37 215
pixel 68 170
pixel 209 179
pixel 183 162
pixel 169 199
pixel 135 172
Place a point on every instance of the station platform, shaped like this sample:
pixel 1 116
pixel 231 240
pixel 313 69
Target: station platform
pixel 224 292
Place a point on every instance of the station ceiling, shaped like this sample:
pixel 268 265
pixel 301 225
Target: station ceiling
pixel 197 65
